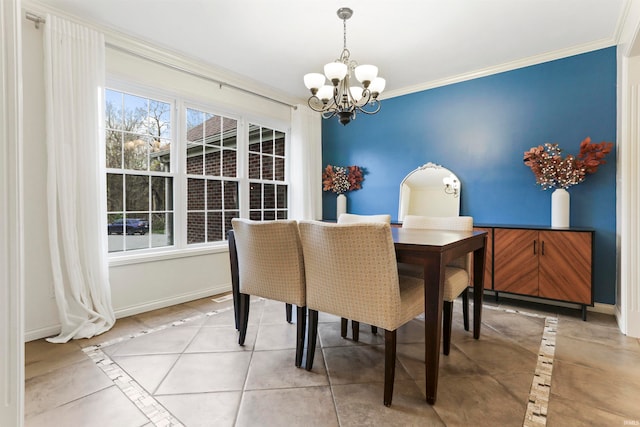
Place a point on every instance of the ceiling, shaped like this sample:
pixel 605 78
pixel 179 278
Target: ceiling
pixel 415 43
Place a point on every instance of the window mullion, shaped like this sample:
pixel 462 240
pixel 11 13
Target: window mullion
pixel 243 167
pixel 180 175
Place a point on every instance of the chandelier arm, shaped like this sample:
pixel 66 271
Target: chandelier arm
pixel 329 114
pixel 317 105
pixel 364 100
pixel 375 103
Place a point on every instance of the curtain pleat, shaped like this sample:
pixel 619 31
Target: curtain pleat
pixel 74 85
pixel 306 164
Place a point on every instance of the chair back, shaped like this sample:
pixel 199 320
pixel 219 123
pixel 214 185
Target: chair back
pixel 270 262
pixel 347 218
pixel 457 223
pixel 351 271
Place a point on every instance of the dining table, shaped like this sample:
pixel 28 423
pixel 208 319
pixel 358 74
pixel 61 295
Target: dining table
pixel 433 250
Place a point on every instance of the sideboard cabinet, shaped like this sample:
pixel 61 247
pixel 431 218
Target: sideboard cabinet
pixel 488 264
pixel 541 262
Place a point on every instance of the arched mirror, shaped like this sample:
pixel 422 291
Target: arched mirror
pixel 429 190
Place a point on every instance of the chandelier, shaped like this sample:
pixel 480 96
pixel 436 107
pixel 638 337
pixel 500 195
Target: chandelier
pixel 339 98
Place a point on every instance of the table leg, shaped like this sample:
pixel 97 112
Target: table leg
pixel 478 287
pixel 433 291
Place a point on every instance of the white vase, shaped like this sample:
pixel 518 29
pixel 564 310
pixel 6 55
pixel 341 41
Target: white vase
pixel 341 205
pixel 560 206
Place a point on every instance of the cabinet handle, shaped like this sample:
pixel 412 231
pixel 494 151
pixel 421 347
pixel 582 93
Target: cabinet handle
pixel 542 247
pixel 534 246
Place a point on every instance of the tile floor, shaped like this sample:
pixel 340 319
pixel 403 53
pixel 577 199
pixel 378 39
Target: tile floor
pixel 182 366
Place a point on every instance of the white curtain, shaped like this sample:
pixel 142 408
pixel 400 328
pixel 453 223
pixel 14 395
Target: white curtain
pixel 74 84
pixel 306 164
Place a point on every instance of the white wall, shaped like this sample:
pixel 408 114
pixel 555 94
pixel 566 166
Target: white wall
pixel 11 219
pixel 40 308
pixel 628 180
pixel 148 283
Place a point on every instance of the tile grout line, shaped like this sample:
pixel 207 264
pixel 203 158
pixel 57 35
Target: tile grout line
pixel 536 413
pixel 538 403
pixel 158 415
pixel 150 407
pixel 246 377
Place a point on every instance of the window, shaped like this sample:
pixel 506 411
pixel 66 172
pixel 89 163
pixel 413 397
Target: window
pixel 211 152
pixel 267 189
pixel 139 180
pixel 226 166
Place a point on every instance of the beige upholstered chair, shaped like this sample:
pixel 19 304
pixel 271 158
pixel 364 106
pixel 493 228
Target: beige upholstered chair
pixel 347 218
pixel 270 265
pixel 457 274
pixel 351 272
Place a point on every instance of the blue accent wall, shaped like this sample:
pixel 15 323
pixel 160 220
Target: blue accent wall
pixel 480 129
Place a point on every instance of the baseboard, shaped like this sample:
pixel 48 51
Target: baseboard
pixel 179 299
pixel 36 334
pixel 603 308
pixel 48 331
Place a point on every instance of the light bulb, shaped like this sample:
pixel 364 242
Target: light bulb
pixel 335 71
pixel 325 93
pixel 366 73
pixel 356 92
pixel 377 86
pixel 314 81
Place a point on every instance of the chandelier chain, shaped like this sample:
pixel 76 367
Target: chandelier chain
pixel 344 24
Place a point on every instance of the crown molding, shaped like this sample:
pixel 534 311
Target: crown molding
pixel 508 66
pixel 129 44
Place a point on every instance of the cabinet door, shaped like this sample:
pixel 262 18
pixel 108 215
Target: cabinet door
pixel 488 260
pixel 565 266
pixel 515 261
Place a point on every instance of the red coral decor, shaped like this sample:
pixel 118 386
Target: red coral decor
pixel 553 171
pixel 341 179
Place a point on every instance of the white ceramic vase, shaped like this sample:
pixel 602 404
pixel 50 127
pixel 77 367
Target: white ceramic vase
pixel 341 205
pixel 560 207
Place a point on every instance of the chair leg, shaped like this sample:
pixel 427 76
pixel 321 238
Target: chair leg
pixel 465 309
pixel 301 321
pixel 312 336
pixel 447 318
pixel 389 365
pixel 343 327
pixel 288 311
pixel 355 330
pixel 244 317
pixel 374 330
pixel 235 281
pixel 236 307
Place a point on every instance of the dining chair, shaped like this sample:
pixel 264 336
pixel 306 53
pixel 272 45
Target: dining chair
pixel 457 276
pixel 351 272
pixel 233 258
pixel 347 218
pixel 270 265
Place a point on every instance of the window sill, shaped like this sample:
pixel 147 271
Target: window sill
pixel 128 258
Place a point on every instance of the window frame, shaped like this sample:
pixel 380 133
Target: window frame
pixel 172 173
pixel 189 104
pixel 179 103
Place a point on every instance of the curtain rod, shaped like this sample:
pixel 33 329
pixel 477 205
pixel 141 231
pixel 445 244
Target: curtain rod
pixel 195 74
pixel 40 20
pixel 37 20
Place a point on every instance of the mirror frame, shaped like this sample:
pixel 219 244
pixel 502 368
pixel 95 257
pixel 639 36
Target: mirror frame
pixel 429 190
